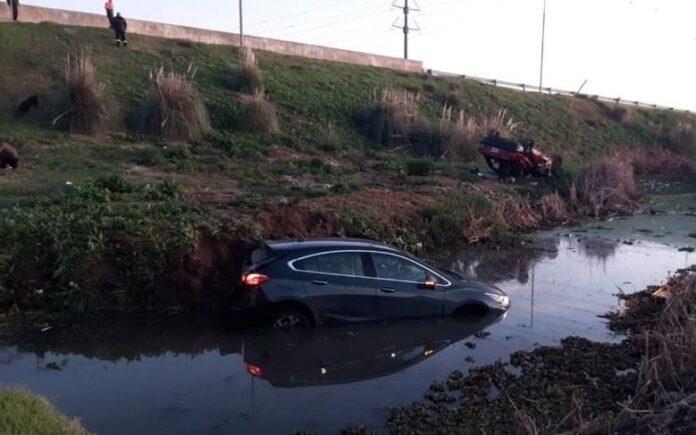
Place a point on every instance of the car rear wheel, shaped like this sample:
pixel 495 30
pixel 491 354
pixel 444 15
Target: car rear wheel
pixel 290 320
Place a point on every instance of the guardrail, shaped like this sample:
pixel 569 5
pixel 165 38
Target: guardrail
pixel 552 91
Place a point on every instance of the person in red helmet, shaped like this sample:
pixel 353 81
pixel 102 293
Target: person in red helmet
pixel 109 6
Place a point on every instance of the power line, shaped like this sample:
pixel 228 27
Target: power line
pixel 343 19
pixel 273 21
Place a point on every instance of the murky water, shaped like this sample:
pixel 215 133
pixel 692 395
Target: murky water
pixel 176 376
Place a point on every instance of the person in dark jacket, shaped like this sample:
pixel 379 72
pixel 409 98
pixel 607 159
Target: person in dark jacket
pixel 15 8
pixel 120 26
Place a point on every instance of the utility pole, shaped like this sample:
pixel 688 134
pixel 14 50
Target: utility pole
pixel 543 40
pixel 241 25
pixel 406 28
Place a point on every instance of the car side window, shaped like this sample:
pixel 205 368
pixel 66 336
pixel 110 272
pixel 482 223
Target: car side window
pixel 340 263
pixel 397 268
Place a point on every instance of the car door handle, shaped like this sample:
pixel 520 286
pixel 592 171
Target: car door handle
pixel 317 282
pixel 387 290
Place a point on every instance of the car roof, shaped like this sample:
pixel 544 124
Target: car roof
pixel 326 243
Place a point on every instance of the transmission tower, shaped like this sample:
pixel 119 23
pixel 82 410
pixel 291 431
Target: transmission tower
pixel 406 27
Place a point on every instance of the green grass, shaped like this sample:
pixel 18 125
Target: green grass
pixel 25 413
pixel 134 201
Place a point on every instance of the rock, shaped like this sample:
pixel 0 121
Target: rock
pixel 8 157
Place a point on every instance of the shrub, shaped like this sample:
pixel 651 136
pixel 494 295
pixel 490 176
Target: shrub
pixel 329 139
pixel 419 168
pixel 390 115
pixel 682 139
pixel 22 412
pixel 87 250
pixel 248 78
pixel 179 112
pixel 165 191
pixel 87 105
pixel 608 186
pixel 259 116
pixel 457 137
pixel 620 114
pixel 115 184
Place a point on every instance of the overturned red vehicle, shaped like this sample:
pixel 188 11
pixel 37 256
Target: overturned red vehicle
pixel 508 158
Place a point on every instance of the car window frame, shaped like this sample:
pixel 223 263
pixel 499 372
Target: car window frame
pixel 370 268
pixel 367 268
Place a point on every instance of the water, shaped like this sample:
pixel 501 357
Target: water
pixel 177 376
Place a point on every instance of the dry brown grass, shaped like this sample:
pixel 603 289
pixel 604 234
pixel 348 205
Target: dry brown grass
pixel 458 137
pixel 391 115
pixel 259 115
pixel 657 161
pixel 179 113
pixel 554 209
pixel 608 186
pixel 682 139
pixel 248 78
pixel 666 376
pixel 87 106
pixel 516 213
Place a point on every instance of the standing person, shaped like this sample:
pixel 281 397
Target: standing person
pixel 15 8
pixel 120 26
pixel 109 6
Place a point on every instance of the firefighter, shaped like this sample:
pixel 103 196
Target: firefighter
pixel 109 6
pixel 120 26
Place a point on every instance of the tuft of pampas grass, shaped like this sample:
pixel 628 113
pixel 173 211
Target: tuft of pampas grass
pixel 87 106
pixel 248 78
pixel 259 115
pixel 179 113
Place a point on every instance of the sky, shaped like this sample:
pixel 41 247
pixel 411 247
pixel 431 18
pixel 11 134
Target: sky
pixel 634 49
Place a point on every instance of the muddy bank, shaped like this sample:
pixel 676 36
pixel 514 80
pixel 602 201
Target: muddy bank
pixel 644 384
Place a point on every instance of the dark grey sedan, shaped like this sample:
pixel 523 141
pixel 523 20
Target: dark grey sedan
pixel 301 283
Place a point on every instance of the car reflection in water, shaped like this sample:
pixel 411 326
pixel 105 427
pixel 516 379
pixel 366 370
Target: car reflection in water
pixel 345 354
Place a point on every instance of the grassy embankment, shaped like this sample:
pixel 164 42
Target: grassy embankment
pixel 645 384
pixel 123 217
pixel 24 413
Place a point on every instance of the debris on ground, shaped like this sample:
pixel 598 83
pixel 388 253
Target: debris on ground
pixel 645 384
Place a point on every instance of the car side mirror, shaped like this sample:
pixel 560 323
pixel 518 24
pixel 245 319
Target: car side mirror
pixel 430 283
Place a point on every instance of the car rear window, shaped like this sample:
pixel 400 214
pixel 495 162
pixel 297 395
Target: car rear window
pixel 344 263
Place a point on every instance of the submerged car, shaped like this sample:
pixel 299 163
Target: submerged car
pixel 312 282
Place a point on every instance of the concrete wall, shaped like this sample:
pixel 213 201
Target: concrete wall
pixel 33 14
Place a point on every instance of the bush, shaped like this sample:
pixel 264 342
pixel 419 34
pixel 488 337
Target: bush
pixel 248 78
pixel 167 190
pixel 389 115
pixel 329 139
pixel 24 413
pixel 682 139
pixel 419 168
pixel 620 114
pixel 259 115
pixel 179 112
pixel 115 184
pixel 457 138
pixel 608 186
pixel 87 107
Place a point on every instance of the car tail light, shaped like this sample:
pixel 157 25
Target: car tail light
pixel 254 279
pixel 254 371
